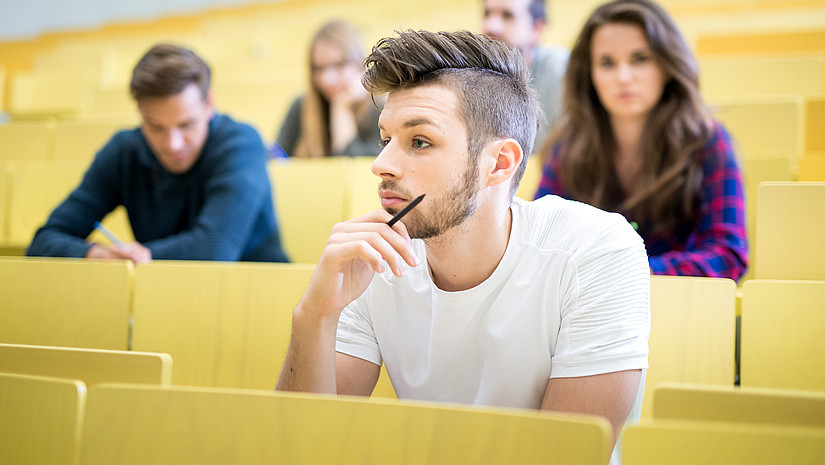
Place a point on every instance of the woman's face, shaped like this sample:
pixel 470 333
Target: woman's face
pixel 626 75
pixel 332 73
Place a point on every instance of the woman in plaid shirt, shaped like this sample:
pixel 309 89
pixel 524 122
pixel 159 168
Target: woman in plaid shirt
pixel 635 137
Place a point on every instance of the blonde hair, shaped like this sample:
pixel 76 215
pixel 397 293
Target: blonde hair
pixel 314 140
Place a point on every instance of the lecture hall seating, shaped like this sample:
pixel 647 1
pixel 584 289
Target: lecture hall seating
pixel 310 197
pixel 30 141
pixel 782 345
pixel 128 424
pixel 224 324
pixel 675 442
pixel 790 218
pixel 735 75
pixel 739 404
pixel 42 419
pixel 65 302
pixel 92 366
pixel 692 335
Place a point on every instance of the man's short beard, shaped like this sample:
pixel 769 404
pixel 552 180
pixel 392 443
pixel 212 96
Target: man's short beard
pixel 447 211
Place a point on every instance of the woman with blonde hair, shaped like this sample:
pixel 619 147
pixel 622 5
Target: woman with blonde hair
pixel 636 138
pixel 336 116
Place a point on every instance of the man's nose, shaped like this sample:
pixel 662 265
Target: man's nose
pixel 175 142
pixel 386 164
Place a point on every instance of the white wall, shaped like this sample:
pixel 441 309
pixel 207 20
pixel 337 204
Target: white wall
pixel 24 19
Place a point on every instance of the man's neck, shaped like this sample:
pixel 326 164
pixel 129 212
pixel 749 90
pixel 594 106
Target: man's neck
pixel 465 256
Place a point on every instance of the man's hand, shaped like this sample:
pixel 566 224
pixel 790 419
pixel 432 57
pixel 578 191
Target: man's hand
pixel 133 251
pixel 355 251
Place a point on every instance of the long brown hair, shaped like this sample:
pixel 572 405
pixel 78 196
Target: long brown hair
pixel 676 128
pixel 314 140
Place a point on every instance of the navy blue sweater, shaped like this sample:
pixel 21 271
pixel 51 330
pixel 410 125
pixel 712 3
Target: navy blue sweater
pixel 221 209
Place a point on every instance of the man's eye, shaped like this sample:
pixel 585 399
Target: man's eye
pixel 383 142
pixel 420 144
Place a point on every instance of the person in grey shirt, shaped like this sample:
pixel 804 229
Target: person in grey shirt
pixel 520 23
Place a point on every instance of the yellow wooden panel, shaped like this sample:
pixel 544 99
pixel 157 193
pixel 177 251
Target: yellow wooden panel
pixel 42 420
pixel 814 124
pixel 757 41
pixel 5 175
pixel 114 101
pixel 80 141
pixel 782 343
pixel 694 442
pixel 65 302
pixel 811 169
pixel 243 100
pixel 739 404
pixel 139 425
pixel 38 188
pixel 532 177
pixel 26 141
pixel 727 76
pixel 759 167
pixel 310 198
pixel 50 93
pixel 92 366
pixel 764 123
pixel 692 332
pixel 363 188
pixel 790 219
pixel 224 324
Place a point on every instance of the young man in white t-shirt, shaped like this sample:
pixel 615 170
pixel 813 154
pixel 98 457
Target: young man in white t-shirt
pixel 473 297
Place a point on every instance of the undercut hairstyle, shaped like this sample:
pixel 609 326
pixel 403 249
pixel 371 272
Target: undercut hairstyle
pixel 166 70
pixel 489 78
pixel 676 129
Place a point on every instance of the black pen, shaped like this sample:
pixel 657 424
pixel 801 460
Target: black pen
pixel 405 210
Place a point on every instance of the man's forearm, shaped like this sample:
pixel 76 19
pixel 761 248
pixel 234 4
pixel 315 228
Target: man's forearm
pixel 310 359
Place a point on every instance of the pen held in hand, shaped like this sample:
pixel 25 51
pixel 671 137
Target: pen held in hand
pixel 405 210
pixel 109 235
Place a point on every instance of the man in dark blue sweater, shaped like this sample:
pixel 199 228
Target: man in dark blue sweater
pixel 194 183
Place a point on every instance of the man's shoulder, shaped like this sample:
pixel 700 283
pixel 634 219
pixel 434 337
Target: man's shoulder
pixel 229 135
pixel 554 56
pixel 553 222
pixel 224 125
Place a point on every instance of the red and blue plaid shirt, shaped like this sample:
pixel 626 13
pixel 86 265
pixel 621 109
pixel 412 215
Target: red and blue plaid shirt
pixel 716 245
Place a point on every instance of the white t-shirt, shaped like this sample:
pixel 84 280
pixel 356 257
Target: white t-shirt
pixel 570 297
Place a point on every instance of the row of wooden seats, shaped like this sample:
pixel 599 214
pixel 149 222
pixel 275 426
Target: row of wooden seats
pixel 228 325
pixel 137 424
pixel 789 124
pixel 769 113
pixel 54 140
pixel 310 197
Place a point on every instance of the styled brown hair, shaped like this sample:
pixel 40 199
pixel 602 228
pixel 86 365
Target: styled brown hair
pixel 676 129
pixel 489 78
pixel 314 140
pixel 166 70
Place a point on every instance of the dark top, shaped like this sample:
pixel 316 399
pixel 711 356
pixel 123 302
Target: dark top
pixel 221 209
pixel 366 142
pixel 714 246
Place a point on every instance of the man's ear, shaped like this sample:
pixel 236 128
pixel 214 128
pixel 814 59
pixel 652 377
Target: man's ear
pixel 507 154
pixel 210 101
